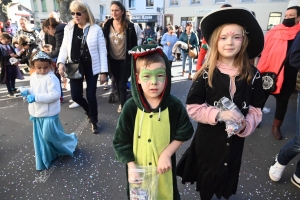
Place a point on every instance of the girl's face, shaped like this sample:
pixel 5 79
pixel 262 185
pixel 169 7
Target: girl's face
pixel 230 42
pixel 42 67
pixel 116 12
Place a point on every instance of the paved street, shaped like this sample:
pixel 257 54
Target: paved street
pixel 93 172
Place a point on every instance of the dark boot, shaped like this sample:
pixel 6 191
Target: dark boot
pixel 276 129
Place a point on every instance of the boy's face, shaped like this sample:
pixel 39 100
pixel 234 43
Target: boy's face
pixel 4 41
pixel 152 80
pixel 47 49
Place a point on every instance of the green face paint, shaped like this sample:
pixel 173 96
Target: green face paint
pixel 155 75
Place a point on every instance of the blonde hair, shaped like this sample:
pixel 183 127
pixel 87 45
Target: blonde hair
pixel 78 5
pixel 23 39
pixel 145 61
pixel 241 61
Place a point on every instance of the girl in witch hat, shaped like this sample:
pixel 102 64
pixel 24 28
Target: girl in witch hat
pixel 213 159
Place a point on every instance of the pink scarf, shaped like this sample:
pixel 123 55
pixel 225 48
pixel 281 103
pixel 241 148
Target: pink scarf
pixel 275 50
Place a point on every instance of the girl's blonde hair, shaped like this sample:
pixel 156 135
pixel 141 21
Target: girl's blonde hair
pixel 241 61
pixel 78 5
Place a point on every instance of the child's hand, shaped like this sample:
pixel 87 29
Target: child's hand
pixel 133 177
pixel 164 163
pixel 242 128
pixel 31 98
pixel 24 92
pixel 230 115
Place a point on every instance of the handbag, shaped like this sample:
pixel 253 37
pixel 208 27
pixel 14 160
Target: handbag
pixel 192 52
pixel 269 79
pixel 74 70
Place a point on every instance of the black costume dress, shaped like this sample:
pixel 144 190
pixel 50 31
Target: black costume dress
pixel 213 160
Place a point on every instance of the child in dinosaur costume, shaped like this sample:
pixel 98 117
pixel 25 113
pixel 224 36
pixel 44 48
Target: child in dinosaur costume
pixel 153 123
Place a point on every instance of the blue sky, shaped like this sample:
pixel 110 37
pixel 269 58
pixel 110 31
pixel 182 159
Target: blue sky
pixel 25 3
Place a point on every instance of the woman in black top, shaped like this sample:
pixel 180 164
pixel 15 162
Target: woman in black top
pixel 93 60
pixel 120 37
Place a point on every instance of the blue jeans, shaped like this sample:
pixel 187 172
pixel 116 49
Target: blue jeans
pixel 292 148
pixel 89 104
pixel 184 56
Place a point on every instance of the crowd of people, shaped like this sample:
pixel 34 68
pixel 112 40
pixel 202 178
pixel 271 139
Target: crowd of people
pixel 153 123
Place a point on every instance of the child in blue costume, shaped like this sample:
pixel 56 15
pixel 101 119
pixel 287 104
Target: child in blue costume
pixel 153 123
pixel 44 106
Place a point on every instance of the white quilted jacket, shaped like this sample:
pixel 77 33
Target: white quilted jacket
pixel 95 42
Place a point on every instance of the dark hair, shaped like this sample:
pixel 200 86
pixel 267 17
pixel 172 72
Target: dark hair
pixel 189 24
pixel 125 21
pixel 6 36
pixel 226 6
pixel 50 22
pixel 297 8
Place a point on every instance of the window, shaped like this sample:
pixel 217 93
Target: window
pixel 174 2
pixel 35 7
pixel 274 19
pixel 102 12
pixel 56 6
pixel 220 1
pixel 131 4
pixel 149 3
pixel 195 1
pixel 44 7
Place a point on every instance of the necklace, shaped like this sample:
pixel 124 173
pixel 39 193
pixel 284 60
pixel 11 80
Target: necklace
pixel 116 36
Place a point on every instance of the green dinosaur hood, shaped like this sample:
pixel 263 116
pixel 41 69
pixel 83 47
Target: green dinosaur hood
pixel 136 89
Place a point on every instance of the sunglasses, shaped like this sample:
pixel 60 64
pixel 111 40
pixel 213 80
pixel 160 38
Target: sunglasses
pixel 77 13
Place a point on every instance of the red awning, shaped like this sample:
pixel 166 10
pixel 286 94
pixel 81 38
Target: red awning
pixel 23 14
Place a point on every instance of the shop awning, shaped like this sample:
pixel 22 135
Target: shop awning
pixel 23 14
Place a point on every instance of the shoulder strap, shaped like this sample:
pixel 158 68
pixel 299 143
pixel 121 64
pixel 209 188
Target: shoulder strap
pixel 86 30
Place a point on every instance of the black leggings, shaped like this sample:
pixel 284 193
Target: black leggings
pixel 121 73
pixel 281 104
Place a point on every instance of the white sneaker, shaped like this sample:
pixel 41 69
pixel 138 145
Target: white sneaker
pixel 71 101
pixel 74 105
pixel 295 180
pixel 119 109
pixel 276 170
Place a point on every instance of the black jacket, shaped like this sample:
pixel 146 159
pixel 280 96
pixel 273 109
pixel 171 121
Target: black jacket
pixel 55 41
pixel 294 59
pixel 131 40
pixel 25 56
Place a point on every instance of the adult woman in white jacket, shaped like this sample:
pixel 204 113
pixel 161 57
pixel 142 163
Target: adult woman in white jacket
pixel 93 59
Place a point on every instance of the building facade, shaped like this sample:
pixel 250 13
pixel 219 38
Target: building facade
pixel 146 12
pixel 42 8
pixel 16 10
pixel 268 12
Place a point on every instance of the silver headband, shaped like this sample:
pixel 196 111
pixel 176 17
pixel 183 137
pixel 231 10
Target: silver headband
pixel 40 55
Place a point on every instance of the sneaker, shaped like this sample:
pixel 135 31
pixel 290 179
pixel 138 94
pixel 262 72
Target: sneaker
pixel 74 105
pixel 295 180
pixel 95 128
pixel 119 109
pixel 105 86
pixel 276 170
pixel 11 94
pixel 71 101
